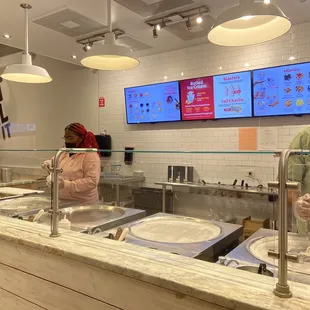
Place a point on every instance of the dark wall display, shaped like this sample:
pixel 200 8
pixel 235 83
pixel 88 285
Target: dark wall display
pixel 282 90
pixel 153 103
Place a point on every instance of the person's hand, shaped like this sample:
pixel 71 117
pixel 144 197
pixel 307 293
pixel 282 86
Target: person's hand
pixel 47 165
pixel 61 182
pixel 302 207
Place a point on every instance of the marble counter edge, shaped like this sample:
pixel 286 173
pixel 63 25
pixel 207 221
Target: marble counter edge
pixel 186 276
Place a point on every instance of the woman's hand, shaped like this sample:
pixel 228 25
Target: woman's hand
pixel 47 165
pixel 302 207
pixel 61 182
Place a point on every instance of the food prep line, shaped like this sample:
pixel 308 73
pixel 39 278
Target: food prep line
pixel 219 187
pixel 242 255
pixel 203 250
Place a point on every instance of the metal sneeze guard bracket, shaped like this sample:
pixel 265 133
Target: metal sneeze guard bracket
pixel 283 185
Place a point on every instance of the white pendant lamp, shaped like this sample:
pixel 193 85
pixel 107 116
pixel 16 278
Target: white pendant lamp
pixel 110 56
pixel 249 23
pixel 26 72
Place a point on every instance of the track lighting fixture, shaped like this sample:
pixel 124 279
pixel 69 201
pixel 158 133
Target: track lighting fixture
pixel 188 17
pixel 155 34
pixel 188 24
pixel 161 25
pixel 87 46
pixel 199 18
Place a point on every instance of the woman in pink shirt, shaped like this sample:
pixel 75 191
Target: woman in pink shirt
pixel 81 171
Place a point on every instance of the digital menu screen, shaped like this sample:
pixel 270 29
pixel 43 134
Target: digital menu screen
pixel 218 97
pixel 153 103
pixel 197 99
pixel 282 90
pixel 233 95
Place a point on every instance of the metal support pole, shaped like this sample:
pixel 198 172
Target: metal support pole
pixel 109 11
pixel 55 196
pixel 164 199
pixel 282 288
pixel 118 199
pixel 26 7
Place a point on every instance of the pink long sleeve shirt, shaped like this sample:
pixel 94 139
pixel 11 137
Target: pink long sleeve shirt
pixel 81 173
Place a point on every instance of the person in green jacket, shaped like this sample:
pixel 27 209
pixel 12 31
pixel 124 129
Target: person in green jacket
pixel 299 171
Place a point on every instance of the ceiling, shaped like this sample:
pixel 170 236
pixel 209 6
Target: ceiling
pixel 49 38
pixel 7 50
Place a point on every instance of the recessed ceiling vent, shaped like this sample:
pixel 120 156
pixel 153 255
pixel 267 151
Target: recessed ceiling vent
pixel 69 22
pixel 146 8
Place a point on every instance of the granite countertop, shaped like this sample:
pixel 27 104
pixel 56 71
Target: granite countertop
pixel 227 287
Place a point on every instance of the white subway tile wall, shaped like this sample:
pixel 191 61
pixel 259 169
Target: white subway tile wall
pixel 210 136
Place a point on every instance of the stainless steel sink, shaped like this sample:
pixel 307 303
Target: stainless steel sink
pixel 95 218
pixel 84 217
pixel 254 269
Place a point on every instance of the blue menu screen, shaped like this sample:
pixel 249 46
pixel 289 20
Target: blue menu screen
pixel 153 103
pixel 282 90
pixel 232 95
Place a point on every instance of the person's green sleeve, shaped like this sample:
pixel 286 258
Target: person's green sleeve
pixel 296 166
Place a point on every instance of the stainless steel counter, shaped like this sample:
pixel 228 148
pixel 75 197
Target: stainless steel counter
pixel 91 219
pixel 117 182
pixel 208 250
pixel 121 180
pixel 227 188
pixel 244 257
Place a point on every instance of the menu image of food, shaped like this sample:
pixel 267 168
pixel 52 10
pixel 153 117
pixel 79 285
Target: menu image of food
pixel 282 90
pixel 197 99
pixel 232 95
pixel 153 103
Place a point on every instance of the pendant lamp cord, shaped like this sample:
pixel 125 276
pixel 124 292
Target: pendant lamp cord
pixel 26 32
pixel 109 10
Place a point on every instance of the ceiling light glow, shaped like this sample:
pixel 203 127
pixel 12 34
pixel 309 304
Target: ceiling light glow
pixel 247 17
pixel 199 20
